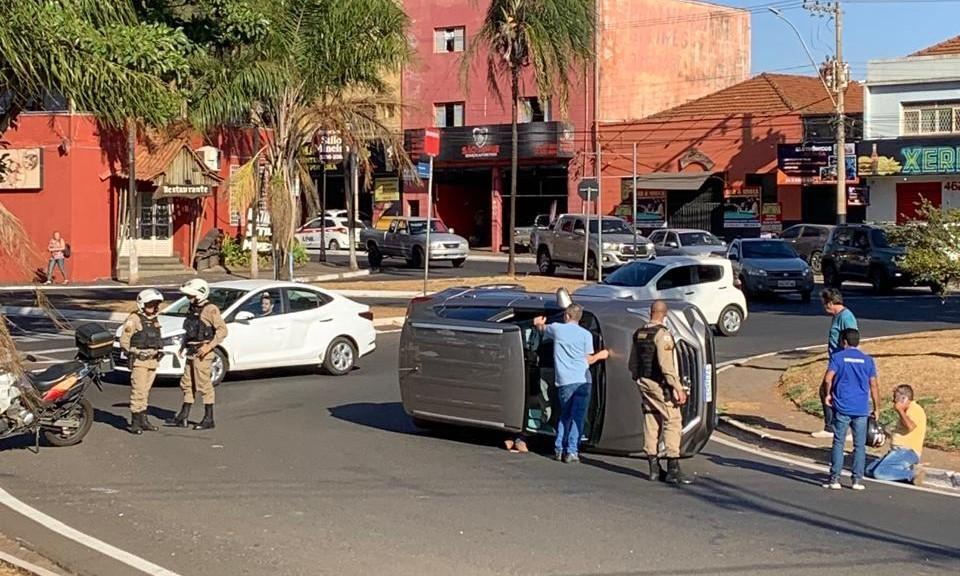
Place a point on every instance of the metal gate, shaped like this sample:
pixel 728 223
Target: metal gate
pixel 701 209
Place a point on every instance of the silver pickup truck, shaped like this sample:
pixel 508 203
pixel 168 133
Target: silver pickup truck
pixel 564 244
pixel 407 238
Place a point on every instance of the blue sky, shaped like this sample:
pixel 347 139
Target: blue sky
pixel 873 29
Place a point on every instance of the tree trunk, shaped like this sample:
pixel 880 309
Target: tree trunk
pixel 255 210
pixel 133 272
pixel 514 156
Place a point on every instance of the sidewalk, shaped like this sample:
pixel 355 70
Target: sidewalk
pixel 752 409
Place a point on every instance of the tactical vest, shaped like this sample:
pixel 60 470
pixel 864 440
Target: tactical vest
pixel 148 337
pixel 196 330
pixel 645 351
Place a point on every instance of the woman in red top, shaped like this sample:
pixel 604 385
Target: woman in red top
pixel 56 246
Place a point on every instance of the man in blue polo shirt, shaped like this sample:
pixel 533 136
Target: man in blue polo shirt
pixel 843 319
pixel 851 383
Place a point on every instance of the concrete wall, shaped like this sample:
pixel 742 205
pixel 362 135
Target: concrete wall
pixel 892 83
pixel 883 196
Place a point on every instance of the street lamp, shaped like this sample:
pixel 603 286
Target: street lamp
pixel 776 12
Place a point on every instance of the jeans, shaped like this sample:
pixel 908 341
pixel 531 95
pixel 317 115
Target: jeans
pixel 58 262
pixel 574 400
pixel 841 423
pixel 896 466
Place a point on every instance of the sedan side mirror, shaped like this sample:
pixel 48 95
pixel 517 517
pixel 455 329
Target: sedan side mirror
pixel 672 245
pixel 579 232
pixel 244 316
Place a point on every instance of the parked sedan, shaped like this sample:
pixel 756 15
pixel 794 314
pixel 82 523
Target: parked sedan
pixel 809 241
pixel 334 233
pixel 685 241
pixel 271 325
pixel 707 282
pixel 771 267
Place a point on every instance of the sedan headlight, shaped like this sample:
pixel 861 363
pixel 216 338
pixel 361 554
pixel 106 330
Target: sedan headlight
pixel 175 341
pixel 756 272
pixel 808 271
pixel 649 246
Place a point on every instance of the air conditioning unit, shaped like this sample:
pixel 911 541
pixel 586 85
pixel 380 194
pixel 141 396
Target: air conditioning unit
pixel 210 156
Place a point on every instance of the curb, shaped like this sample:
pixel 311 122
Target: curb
pixel 378 293
pixel 389 322
pixel 334 277
pixel 96 315
pixel 26 566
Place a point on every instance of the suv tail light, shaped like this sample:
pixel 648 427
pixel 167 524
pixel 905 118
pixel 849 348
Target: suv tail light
pixel 736 283
pixel 368 315
pixel 414 301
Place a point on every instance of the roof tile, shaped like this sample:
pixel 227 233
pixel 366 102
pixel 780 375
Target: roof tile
pixel 947 47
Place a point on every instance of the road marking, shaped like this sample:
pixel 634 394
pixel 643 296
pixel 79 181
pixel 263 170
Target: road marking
pixel 100 546
pixel 47 352
pixel 24 565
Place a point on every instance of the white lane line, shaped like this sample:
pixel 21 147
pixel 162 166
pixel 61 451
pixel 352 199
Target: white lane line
pixel 100 546
pixel 24 565
pixel 49 351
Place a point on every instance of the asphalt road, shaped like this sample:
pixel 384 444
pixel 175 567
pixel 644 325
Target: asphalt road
pixel 309 474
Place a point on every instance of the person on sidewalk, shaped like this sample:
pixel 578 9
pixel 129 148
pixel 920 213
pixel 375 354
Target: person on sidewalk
pixel 902 462
pixel 851 382
pixel 57 247
pixel 204 330
pixel 141 341
pixel 573 355
pixel 654 369
pixel 843 319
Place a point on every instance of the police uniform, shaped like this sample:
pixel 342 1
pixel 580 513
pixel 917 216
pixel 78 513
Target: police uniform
pixel 654 368
pixel 203 326
pixel 141 340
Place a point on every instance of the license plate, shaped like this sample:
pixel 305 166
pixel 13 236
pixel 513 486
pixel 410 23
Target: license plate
pixel 786 283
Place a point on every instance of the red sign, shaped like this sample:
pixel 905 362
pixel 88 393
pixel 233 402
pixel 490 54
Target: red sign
pixel 431 142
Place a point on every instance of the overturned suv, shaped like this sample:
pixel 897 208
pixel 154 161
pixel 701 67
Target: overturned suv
pixel 472 357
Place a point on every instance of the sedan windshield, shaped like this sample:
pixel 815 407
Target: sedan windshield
pixel 611 226
pixel 222 297
pixel 634 274
pixel 768 250
pixel 418 227
pixel 699 239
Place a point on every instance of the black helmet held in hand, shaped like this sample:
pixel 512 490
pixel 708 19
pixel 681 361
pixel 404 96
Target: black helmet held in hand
pixel 876 437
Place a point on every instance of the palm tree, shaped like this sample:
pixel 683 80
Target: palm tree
pixel 319 68
pixel 551 37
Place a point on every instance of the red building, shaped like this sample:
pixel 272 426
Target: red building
pixel 654 54
pixel 694 158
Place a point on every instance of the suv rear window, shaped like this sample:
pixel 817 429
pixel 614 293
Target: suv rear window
pixel 471 313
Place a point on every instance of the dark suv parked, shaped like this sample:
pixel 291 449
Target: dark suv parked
pixel 808 240
pixel 862 252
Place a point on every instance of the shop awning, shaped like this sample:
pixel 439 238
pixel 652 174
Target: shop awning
pixel 676 180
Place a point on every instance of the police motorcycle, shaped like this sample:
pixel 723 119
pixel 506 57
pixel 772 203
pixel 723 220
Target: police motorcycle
pixel 52 402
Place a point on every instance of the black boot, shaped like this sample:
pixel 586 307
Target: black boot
pixel 207 422
pixel 135 427
pixel 674 475
pixel 180 420
pixel 655 470
pixel 145 424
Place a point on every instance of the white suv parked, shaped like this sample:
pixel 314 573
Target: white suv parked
pixel 705 281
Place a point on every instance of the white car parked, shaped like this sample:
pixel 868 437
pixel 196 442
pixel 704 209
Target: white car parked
pixel 706 281
pixel 272 324
pixel 336 234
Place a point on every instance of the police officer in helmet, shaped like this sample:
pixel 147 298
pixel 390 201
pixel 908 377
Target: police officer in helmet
pixel 141 341
pixel 654 368
pixel 204 330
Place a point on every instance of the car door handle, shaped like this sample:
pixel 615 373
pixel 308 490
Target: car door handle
pixel 325 320
pixel 689 293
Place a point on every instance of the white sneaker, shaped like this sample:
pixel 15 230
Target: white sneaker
pixel 822 434
pixel 832 485
pixel 858 486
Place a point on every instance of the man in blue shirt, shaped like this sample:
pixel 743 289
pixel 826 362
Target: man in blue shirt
pixel 851 383
pixel 572 357
pixel 843 319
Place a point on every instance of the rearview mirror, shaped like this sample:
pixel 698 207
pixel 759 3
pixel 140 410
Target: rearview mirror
pixel 244 316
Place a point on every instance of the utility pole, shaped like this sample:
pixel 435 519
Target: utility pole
pixel 598 166
pixel 838 74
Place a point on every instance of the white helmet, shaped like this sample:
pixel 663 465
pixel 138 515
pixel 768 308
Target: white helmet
pixel 196 288
pixel 147 296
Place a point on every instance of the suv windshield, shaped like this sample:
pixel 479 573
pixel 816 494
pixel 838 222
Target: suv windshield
pixel 768 249
pixel 699 239
pixel 222 297
pixel 417 227
pixel 634 274
pixel 611 226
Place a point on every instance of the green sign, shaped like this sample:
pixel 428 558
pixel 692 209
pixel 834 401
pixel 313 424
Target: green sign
pixel 908 157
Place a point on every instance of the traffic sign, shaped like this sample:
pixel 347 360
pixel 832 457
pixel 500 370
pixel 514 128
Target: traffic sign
pixel 588 187
pixel 423 169
pixel 431 142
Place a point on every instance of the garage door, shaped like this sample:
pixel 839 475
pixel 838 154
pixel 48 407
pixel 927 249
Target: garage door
pixel 909 195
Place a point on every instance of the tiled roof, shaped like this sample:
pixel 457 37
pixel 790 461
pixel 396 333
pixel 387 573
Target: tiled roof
pixel 769 95
pixel 152 161
pixel 950 46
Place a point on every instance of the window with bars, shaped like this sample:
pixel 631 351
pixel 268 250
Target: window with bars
pixel 940 118
pixel 448 114
pixel 448 39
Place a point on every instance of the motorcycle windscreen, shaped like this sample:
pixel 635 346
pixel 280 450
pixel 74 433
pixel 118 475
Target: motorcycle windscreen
pixel 469 372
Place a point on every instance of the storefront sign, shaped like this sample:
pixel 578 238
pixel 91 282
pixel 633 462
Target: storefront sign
pixel 329 146
pixel 386 189
pixel 184 191
pixel 537 140
pixel 814 164
pixel 771 218
pixel 651 205
pixel 858 195
pixel 21 169
pixel 741 207
pixel 909 157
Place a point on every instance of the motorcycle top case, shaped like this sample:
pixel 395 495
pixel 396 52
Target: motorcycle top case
pixel 93 341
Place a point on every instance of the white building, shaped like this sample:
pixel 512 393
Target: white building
pixel 911 146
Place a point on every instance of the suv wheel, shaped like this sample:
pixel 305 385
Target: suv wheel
pixel 816 263
pixel 731 321
pixel 545 264
pixel 593 272
pixel 879 282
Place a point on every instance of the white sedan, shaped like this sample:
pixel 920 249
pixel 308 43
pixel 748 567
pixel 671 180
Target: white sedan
pixel 705 281
pixel 334 233
pixel 272 324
